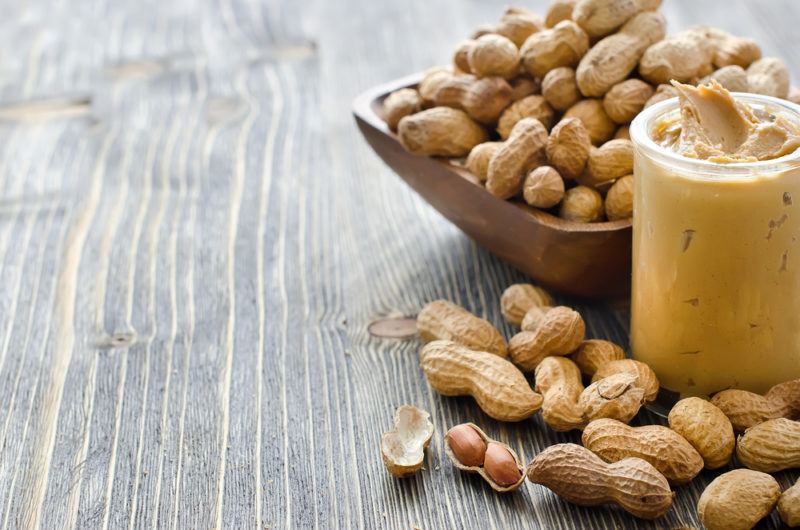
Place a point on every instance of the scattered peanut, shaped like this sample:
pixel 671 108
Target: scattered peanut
pixel 461 56
pixel 559 10
pixel 582 204
pixel 706 428
pixel 520 298
pixel 646 377
pixel 737 500
pixel 471 450
pixel 562 45
pixel 560 333
pixel 619 199
pixel 523 151
pixel 431 81
pixel 443 320
pixel 522 87
pixel 663 93
pixel 560 88
pixel 612 60
pixel 517 24
pixel 400 104
pixel 746 409
pixel 493 55
pixel 598 18
pixel 789 506
pixel 735 51
pixel 617 397
pixel 594 353
pixel 770 77
pixel 623 133
pixel 733 78
pixel 528 107
pixel 665 449
pixel 581 477
pixel 498 386
pixel 683 57
pixel 440 131
pixel 568 147
pixel 478 160
pixel 770 446
pixel 612 160
pixel 626 99
pixel 558 380
pixel 591 112
pixel 534 318
pixel 543 187
pixel 794 95
pixel 482 99
pixel 403 448
pixel 468 447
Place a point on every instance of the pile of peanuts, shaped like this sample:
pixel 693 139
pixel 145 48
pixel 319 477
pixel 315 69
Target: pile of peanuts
pixel 635 468
pixel 540 106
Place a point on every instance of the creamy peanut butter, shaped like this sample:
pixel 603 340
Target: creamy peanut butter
pixel 716 270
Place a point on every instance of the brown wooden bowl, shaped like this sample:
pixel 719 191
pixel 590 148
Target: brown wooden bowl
pixel 591 260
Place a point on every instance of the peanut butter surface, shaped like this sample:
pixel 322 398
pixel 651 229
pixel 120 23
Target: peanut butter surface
pixel 714 126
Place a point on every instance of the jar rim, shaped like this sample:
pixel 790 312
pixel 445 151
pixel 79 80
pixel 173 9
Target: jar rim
pixel 642 124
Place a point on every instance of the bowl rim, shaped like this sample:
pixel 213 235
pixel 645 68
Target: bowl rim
pixel 367 107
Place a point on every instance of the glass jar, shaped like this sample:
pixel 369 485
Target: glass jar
pixel 715 300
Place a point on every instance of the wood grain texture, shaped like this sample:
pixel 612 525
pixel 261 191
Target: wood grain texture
pixel 193 241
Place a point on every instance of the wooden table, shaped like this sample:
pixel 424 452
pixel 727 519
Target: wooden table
pixel 193 241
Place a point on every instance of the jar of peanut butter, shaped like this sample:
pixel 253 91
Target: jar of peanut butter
pixel 716 241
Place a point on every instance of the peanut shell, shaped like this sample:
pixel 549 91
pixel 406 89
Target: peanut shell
pixel 443 320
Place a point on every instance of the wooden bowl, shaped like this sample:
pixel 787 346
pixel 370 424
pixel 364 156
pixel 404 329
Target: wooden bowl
pixel 587 260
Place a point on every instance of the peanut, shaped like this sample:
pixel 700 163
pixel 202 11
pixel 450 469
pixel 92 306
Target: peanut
pixel 591 112
pixel 770 77
pixel 399 104
pixel 501 466
pixel 737 500
pixel 534 318
pixel 498 387
pixel 623 133
pixel 543 187
pixel 666 450
pixel 789 506
pixel 528 107
pixel 581 477
pixel 523 151
pixel 599 18
pixel 663 93
pixel 483 99
pixel 794 95
pixel 611 60
pixel 733 78
pixel 558 380
pixel 562 45
pixel 619 199
pixel 478 160
pixel 746 409
pixel 568 147
pixel 582 204
pixel 594 353
pixel 440 131
pixel 493 55
pixel 626 99
pixel 646 377
pixel 471 450
pixel 466 445
pixel 770 446
pixel 559 10
pixel 520 298
pixel 517 24
pixel 431 81
pixel 403 448
pixel 560 88
pixel 706 428
pixel 522 87
pixel 560 333
pixel 612 160
pixel 443 320
pixel 736 51
pixel 461 56
pixel 682 57
pixel 616 397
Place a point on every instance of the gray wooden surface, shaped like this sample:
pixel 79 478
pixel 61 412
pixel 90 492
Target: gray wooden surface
pixel 193 240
